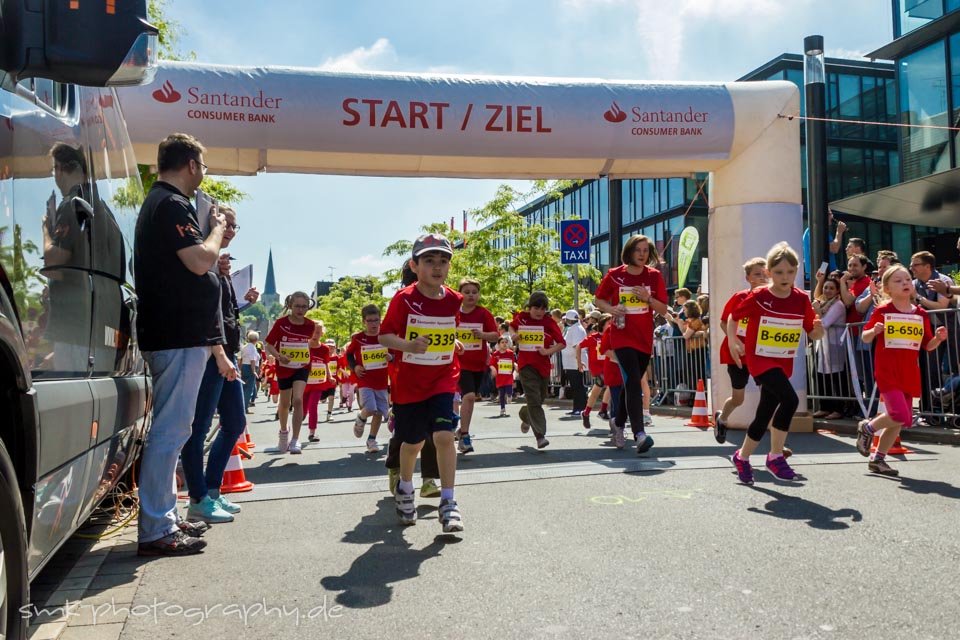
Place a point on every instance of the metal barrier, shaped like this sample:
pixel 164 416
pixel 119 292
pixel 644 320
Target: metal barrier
pixel 676 370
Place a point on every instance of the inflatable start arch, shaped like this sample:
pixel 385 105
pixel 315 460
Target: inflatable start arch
pixel 306 121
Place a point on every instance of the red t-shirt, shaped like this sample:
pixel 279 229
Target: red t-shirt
pixel 896 355
pixel 594 358
pixel 368 352
pixel 412 314
pixel 475 350
pixel 502 362
pixel 291 340
pixel 532 334
pixel 612 376
pixel 732 304
pixel 615 288
pixel 774 329
pixel 333 368
pixel 859 285
pixel 318 367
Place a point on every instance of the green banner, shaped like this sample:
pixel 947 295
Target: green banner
pixel 689 239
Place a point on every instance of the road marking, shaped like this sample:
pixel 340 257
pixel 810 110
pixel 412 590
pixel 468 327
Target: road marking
pixel 679 494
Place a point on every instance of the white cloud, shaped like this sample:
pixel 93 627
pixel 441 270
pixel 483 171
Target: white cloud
pixel 379 56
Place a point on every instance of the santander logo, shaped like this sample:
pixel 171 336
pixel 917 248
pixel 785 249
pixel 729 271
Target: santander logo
pixel 613 114
pixel 168 94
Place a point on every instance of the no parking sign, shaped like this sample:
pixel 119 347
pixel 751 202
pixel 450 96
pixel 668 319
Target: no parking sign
pixel 575 242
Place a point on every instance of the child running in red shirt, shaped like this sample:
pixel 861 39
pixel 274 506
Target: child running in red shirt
pixel 900 329
pixel 421 322
pixel 755 272
pixel 477 327
pixel 538 337
pixel 368 360
pixel 594 365
pixel 776 315
pixel 502 364
pixel 317 385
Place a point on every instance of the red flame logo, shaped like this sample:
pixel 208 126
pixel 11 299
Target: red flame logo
pixel 168 94
pixel 615 114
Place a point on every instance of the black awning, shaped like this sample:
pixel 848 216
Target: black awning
pixel 933 201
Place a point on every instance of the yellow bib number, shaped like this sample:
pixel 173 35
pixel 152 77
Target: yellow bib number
pixel 902 331
pixel 504 367
pixel 530 338
pixel 298 352
pixel 373 357
pixel 465 335
pixel 332 368
pixel 441 335
pixel 631 301
pixel 778 337
pixel 742 327
pixel 318 373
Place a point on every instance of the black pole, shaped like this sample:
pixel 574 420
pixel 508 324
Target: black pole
pixel 816 139
pixel 615 204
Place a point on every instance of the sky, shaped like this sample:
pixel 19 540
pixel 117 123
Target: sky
pixel 339 225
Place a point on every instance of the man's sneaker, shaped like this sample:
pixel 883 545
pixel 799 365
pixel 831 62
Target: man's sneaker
pixel 466 444
pixel 295 447
pixel 406 508
pixel 586 420
pixel 283 443
pixel 358 427
pixel 226 505
pixel 619 439
pixel 644 443
pixel 719 429
pixel 313 436
pixel 393 477
pixel 542 442
pixel 744 470
pixel 778 466
pixel 175 544
pixel 193 529
pixel 450 516
pixel 864 438
pixel 429 489
pixel 373 446
pixel 603 415
pixel 524 427
pixel 208 511
pixel 880 466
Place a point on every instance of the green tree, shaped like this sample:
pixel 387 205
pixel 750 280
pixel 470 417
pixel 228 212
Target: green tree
pixel 508 255
pixel 339 310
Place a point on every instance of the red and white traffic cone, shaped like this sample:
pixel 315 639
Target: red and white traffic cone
pixel 700 416
pixel 234 480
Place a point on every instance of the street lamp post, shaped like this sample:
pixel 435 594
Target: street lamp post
pixel 816 140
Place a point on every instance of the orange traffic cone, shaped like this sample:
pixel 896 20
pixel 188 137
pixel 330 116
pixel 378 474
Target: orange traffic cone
pixel 250 445
pixel 234 480
pixel 700 417
pixel 896 449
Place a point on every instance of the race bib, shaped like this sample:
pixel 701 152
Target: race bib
pixel 298 352
pixel 778 337
pixel 902 331
pixel 504 367
pixel 632 302
pixel 742 327
pixel 373 357
pixel 441 335
pixel 318 372
pixel 465 335
pixel 600 355
pixel 530 338
pixel 332 369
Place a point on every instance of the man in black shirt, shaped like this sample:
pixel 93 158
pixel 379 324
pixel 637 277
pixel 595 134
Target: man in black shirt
pixel 226 397
pixel 179 326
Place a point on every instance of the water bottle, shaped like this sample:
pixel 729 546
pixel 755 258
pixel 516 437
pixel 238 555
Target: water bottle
pixel 620 322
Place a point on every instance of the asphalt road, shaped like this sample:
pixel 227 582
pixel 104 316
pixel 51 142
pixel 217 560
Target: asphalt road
pixel 579 540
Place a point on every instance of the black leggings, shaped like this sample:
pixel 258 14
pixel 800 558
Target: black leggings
pixel 778 400
pixel 633 364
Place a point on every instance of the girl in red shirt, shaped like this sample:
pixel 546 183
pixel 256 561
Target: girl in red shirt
pixel 595 365
pixel 901 329
pixel 317 385
pixel 631 293
pixel 613 378
pixel 502 365
pixel 288 341
pixel 776 315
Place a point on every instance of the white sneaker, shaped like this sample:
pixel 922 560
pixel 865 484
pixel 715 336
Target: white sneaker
pixel 284 442
pixel 295 447
pixel 647 421
pixel 358 426
pixel 372 445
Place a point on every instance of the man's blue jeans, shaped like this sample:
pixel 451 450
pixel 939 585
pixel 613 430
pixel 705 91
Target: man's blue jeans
pixel 176 375
pixel 216 394
pixel 249 384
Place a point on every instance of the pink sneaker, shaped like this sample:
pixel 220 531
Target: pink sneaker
pixel 744 470
pixel 778 466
